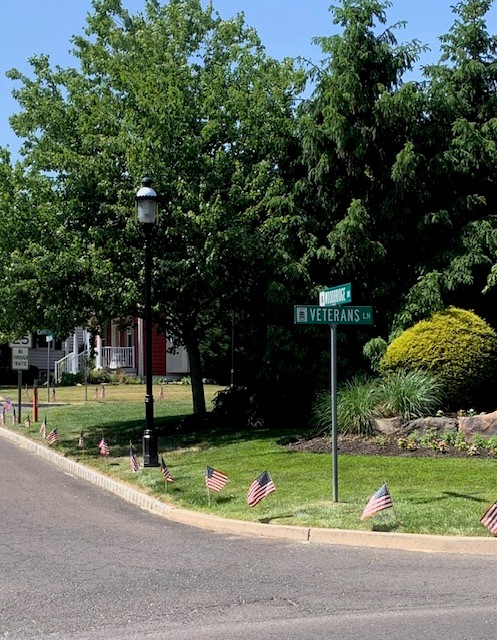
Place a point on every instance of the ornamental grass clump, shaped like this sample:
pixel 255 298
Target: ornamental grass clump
pixel 356 403
pixel 409 394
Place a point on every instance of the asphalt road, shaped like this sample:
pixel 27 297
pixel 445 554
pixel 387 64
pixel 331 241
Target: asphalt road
pixel 79 563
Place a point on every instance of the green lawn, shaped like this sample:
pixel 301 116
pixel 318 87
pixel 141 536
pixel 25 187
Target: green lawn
pixel 430 495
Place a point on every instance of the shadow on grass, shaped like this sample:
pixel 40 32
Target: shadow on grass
pixel 446 495
pixel 176 432
pixel 278 517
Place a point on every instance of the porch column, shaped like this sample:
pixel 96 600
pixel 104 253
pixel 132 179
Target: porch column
pixel 75 360
pixel 141 367
pixel 98 357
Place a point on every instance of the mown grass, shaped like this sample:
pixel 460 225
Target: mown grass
pixel 431 495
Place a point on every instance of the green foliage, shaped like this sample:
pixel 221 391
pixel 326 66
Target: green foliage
pixel 355 408
pixel 70 379
pixel 457 346
pixel 361 400
pixel 237 406
pixel 374 351
pixel 409 394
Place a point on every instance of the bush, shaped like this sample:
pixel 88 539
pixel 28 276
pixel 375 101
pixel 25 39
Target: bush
pixel 71 379
pixel 238 406
pixel 456 345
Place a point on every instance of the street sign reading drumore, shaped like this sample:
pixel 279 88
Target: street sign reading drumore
pixel 312 314
pixel 336 295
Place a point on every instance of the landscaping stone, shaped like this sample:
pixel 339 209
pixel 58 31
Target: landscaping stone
pixel 440 424
pixel 483 425
pixel 388 426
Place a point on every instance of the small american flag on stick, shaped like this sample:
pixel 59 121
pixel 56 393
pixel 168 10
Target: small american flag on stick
pixel 214 479
pixel 380 501
pixel 81 441
pixel 43 428
pixel 260 488
pixel 490 518
pixel 165 471
pixel 133 460
pixel 53 436
pixel 104 448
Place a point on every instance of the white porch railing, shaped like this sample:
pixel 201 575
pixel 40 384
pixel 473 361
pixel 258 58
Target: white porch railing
pixel 118 357
pixel 70 364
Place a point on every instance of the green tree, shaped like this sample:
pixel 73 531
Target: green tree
pixel 194 101
pixel 458 173
pixel 361 131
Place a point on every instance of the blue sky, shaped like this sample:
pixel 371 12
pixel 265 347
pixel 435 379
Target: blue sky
pixel 286 28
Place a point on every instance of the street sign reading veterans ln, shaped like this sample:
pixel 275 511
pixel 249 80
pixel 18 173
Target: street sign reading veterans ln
pixel 342 294
pixel 312 314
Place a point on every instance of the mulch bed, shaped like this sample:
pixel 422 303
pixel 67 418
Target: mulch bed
pixel 369 446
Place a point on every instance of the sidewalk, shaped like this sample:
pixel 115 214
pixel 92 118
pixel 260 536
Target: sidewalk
pixel 402 541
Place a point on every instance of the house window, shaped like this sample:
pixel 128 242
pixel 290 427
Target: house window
pixel 129 337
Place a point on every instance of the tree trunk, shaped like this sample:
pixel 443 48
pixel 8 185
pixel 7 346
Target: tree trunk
pixel 198 395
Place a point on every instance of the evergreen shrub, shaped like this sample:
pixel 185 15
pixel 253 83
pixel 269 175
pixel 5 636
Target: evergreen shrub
pixel 456 345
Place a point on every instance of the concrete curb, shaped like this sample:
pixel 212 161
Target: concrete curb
pixel 375 539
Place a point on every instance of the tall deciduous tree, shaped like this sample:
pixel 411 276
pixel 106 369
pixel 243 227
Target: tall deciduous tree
pixel 194 101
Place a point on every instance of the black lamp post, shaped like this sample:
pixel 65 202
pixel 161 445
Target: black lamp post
pixel 146 204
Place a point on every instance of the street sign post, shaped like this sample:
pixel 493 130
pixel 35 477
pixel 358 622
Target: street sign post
pixel 313 314
pixel 332 296
pixel 20 361
pixel 331 312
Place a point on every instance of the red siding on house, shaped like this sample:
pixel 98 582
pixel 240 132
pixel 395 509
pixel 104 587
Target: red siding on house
pixel 158 353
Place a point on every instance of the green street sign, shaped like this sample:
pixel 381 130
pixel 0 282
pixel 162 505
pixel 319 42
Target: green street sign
pixel 312 314
pixel 342 294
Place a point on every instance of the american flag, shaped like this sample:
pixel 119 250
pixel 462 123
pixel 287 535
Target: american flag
pixel 260 488
pixel 133 460
pixel 381 500
pixel 490 518
pixel 215 480
pixel 81 441
pixel 7 405
pixel 165 471
pixel 43 428
pixel 53 436
pixel 27 422
pixel 104 448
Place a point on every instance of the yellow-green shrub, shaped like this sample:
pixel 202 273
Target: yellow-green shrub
pixel 459 347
